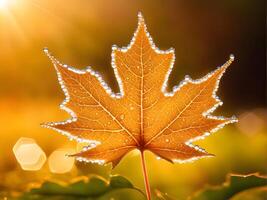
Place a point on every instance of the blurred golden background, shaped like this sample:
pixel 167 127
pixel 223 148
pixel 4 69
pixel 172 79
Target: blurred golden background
pixel 81 33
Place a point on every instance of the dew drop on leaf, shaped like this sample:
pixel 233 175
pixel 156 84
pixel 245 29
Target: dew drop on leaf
pixel 232 57
pixel 45 50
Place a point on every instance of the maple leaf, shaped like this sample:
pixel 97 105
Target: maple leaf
pixel 143 115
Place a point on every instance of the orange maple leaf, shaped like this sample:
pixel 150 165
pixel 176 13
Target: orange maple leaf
pixel 143 115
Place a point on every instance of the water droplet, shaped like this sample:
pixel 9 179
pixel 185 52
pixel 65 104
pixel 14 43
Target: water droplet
pixel 152 69
pixel 167 140
pixel 131 107
pixel 206 134
pixel 92 145
pixel 45 50
pixel 122 116
pixel 158 158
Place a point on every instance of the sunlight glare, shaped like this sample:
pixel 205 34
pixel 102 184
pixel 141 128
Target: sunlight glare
pixel 3 4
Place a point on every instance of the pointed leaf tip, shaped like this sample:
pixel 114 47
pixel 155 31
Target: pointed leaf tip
pixel 232 57
pixel 45 49
pixel 140 17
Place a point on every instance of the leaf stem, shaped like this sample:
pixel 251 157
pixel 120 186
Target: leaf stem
pixel 147 186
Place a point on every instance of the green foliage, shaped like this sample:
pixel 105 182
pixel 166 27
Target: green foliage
pixel 237 187
pixel 252 194
pixel 236 184
pixel 83 189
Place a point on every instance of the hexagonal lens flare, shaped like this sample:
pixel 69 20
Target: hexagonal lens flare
pixel 59 162
pixel 29 154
